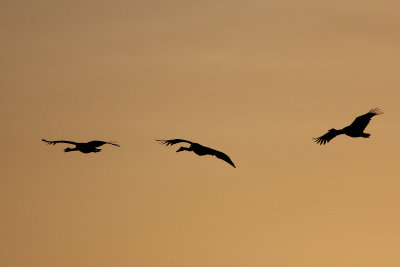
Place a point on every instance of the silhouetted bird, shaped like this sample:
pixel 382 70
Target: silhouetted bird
pixel 356 129
pixel 197 149
pixel 88 147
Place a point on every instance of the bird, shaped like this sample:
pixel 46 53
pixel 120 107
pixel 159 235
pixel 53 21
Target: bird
pixel 355 129
pixel 89 147
pixel 197 149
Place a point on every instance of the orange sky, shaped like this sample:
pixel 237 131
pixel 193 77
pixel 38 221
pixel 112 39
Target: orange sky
pixel 255 79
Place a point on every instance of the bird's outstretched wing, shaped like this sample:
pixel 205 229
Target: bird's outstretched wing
pixel 173 142
pixel 222 156
pixel 97 143
pixel 332 133
pixel 361 122
pixel 58 141
pixel 112 143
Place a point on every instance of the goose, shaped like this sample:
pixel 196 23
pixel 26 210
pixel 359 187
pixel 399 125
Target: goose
pixel 355 129
pixel 197 149
pixel 88 147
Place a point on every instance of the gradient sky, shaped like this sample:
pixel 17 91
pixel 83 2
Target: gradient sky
pixel 255 79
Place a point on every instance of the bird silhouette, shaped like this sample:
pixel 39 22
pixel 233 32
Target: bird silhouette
pixel 89 147
pixel 197 149
pixel 355 129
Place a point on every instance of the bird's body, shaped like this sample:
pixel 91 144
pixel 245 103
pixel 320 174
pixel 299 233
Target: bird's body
pixel 89 147
pixel 355 129
pixel 198 149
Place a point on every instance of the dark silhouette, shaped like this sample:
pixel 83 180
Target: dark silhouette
pixel 88 147
pixel 356 129
pixel 197 149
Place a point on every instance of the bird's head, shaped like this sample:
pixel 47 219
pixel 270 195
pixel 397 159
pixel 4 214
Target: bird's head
pixel 180 149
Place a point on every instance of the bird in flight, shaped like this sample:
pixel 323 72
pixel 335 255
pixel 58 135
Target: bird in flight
pixel 197 149
pixel 355 129
pixel 88 147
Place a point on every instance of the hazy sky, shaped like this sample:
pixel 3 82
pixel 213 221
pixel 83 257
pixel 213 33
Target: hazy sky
pixel 255 79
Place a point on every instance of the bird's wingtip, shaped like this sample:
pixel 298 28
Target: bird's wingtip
pixel 48 142
pixel 376 111
pixel 114 143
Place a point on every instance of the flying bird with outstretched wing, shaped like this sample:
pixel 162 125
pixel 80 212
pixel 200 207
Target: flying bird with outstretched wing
pixel 198 149
pixel 355 129
pixel 89 147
